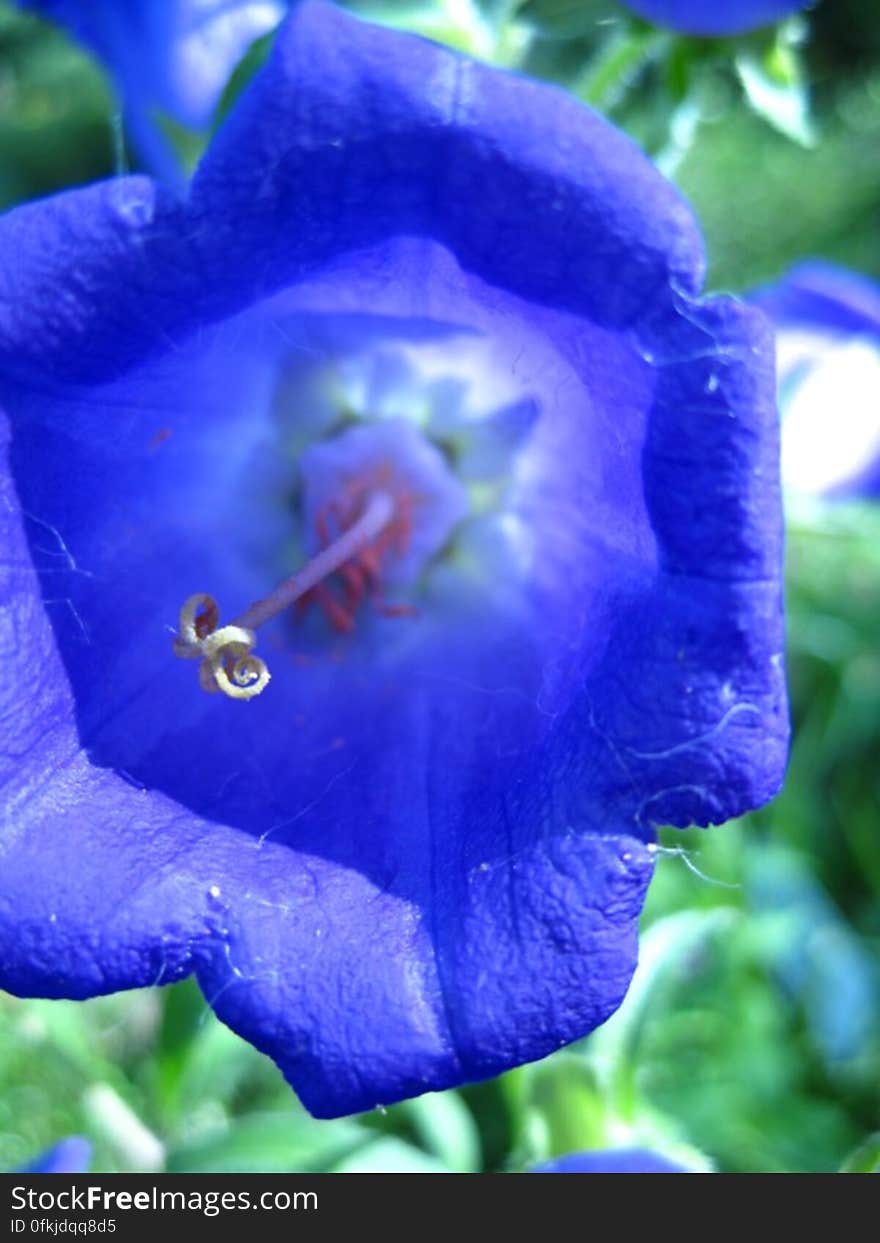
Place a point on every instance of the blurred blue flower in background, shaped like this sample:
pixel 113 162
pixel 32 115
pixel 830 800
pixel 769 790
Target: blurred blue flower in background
pixel 69 1156
pixel 814 954
pixel 611 1161
pixel 828 358
pixel 438 328
pixel 703 17
pixel 171 56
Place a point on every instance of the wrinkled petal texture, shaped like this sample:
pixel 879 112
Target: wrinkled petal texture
pixel 420 860
pixel 611 1161
pixel 701 17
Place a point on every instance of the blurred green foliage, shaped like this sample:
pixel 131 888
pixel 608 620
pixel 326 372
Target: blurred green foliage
pixel 750 1040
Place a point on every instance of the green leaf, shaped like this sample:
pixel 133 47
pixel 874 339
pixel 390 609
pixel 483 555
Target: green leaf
pixel 119 1124
pixel 665 953
pixel 570 1102
pixel 865 1159
pixel 269 1143
pixel 775 89
pixel 217 1064
pixel 618 65
pixel 570 19
pixel 389 1155
pixel 446 1127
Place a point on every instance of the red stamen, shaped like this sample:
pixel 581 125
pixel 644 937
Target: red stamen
pixel 371 562
pixel 360 576
pixel 337 615
pixel 355 583
pixel 395 610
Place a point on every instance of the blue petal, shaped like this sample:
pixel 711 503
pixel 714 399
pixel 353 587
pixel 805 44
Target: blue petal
pixel 176 55
pixel 611 1161
pixel 699 17
pixel 822 295
pixel 358 134
pixel 69 1156
pixel 165 56
pixel 415 862
pixel 396 891
pixel 101 885
pixel 827 322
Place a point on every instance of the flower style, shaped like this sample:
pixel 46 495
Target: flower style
pixel 172 56
pixel 702 17
pixel 420 368
pixel 828 352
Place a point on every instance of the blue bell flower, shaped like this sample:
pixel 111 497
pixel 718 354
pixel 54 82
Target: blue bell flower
pixel 827 322
pixel 703 17
pixel 392 540
pixel 165 56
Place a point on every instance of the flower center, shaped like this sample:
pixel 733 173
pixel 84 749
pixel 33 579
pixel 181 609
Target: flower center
pixel 227 662
pixel 404 453
pixel 360 576
pixel 380 501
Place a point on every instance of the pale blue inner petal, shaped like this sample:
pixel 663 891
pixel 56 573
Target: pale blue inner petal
pixel 190 474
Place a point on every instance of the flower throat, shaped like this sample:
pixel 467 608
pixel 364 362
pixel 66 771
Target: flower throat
pixel 370 527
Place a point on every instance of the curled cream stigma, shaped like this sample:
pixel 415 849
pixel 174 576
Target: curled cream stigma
pixel 226 654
